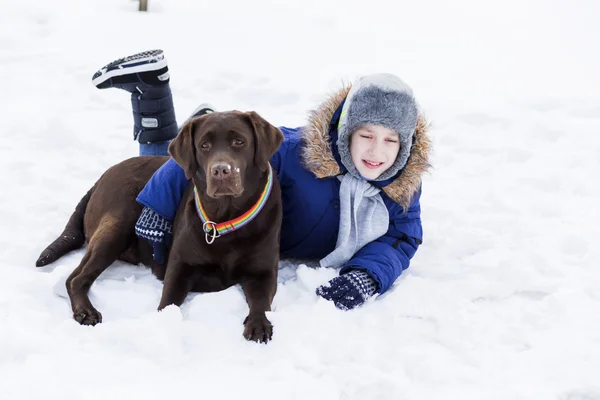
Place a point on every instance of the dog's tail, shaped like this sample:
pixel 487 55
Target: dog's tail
pixel 72 237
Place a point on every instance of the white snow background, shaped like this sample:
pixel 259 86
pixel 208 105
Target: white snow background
pixel 502 300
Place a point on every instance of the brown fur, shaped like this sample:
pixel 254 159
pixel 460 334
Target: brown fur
pixel 318 156
pixel 106 216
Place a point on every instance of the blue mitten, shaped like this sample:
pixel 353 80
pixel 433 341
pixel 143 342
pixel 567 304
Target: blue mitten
pixel 349 290
pixel 157 231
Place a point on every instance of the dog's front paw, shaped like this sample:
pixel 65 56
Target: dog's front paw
pixel 89 316
pixel 258 328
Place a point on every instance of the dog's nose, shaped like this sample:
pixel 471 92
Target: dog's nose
pixel 220 171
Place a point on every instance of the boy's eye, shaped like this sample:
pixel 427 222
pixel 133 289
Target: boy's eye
pixel 205 145
pixel 238 142
pixel 392 141
pixel 365 136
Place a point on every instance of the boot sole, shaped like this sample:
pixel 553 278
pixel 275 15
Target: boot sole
pixel 141 62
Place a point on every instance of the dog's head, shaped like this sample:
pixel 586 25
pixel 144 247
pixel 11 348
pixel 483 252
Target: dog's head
pixel 225 150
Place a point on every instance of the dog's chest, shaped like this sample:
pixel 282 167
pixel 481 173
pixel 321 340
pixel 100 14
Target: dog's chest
pixel 235 256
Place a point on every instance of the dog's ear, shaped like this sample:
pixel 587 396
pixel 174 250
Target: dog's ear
pixel 267 139
pixel 183 148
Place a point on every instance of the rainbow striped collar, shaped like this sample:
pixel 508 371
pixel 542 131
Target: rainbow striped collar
pixel 214 230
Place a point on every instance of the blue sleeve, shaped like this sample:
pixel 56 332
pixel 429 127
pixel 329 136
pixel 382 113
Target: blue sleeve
pixel 278 161
pixel 164 190
pixel 385 258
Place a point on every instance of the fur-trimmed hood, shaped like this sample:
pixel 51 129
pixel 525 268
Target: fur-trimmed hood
pixel 318 157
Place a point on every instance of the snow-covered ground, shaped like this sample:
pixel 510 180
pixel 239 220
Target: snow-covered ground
pixel 502 301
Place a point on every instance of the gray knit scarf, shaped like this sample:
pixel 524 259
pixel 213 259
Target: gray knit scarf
pixel 363 219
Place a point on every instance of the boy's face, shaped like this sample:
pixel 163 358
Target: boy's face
pixel 373 149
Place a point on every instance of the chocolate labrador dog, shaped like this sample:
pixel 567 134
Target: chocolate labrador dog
pixel 226 231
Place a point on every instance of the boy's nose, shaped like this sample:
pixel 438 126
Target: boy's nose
pixel 374 147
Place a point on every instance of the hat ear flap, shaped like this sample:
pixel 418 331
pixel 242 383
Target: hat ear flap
pixel 267 139
pixel 183 148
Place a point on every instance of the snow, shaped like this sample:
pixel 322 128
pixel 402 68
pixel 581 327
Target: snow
pixel 502 298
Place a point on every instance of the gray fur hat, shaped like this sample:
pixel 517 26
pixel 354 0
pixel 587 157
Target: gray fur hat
pixel 378 99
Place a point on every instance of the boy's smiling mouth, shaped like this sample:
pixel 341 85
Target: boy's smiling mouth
pixel 372 164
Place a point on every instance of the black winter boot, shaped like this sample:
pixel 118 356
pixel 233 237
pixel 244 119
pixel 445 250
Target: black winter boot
pixel 146 76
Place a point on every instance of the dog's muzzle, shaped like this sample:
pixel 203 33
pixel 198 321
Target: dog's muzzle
pixel 223 180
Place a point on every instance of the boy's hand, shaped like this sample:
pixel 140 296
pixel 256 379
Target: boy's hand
pixel 349 290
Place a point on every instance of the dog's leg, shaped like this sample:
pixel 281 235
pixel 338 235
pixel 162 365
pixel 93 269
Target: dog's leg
pixel 179 280
pixel 104 248
pixel 259 293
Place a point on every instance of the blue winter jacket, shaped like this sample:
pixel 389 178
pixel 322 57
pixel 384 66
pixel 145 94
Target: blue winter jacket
pixel 307 164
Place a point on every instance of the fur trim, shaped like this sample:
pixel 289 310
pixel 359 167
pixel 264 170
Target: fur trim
pixel 318 157
pixel 316 150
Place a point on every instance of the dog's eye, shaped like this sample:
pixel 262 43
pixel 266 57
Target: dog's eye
pixel 238 142
pixel 205 145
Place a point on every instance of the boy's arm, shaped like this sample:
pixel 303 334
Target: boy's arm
pixel 164 191
pixel 375 267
